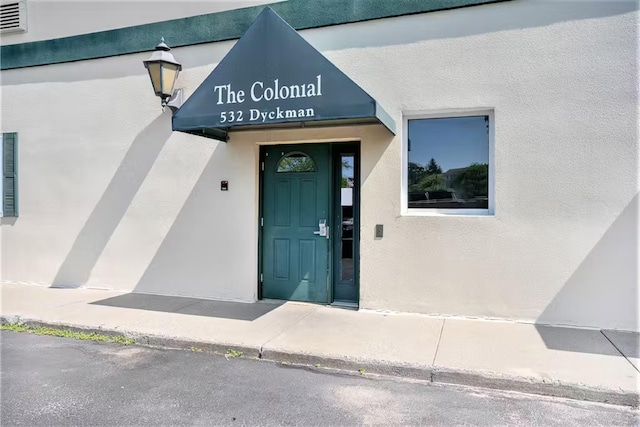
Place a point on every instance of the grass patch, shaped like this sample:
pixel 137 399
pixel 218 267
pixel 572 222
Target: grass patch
pixel 65 333
pixel 233 353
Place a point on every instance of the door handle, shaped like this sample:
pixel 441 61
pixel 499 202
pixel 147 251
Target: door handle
pixel 323 229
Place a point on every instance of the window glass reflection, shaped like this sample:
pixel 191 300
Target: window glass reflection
pixel 449 163
pixel 296 162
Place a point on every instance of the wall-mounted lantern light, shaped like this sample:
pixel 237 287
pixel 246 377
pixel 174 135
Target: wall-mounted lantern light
pixel 163 70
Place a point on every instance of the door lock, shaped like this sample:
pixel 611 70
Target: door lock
pixel 323 229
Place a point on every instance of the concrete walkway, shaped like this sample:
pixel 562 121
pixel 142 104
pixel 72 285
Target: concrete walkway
pixel 567 362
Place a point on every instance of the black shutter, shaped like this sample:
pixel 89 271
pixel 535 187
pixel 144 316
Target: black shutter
pixel 9 177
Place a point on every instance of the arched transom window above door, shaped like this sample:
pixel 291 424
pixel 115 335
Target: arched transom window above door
pixel 296 162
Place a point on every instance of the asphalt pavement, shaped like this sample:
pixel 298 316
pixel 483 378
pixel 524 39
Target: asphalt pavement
pixel 60 381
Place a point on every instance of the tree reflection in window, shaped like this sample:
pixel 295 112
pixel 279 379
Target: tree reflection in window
pixel 296 162
pixel 449 163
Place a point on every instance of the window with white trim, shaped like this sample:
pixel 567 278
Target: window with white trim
pixel 448 165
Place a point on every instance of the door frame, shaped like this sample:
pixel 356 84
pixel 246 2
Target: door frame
pixel 335 150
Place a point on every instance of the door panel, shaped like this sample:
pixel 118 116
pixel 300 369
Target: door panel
pixel 295 199
pixel 282 212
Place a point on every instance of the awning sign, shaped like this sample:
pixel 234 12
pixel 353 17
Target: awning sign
pixel 273 77
pixel 274 91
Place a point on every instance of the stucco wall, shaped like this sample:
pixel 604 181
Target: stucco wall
pixel 563 244
pixel 49 19
pixel 109 197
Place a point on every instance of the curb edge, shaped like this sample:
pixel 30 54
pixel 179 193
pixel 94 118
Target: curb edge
pixel 432 374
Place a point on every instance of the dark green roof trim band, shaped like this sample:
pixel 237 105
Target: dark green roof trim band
pixel 213 27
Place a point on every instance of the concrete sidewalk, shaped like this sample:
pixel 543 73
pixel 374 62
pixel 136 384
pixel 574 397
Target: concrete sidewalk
pixel 567 362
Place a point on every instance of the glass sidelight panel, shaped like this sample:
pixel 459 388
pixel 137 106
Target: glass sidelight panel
pixel 346 202
pixel 346 228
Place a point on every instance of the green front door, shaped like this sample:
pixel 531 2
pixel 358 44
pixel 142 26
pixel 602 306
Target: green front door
pixel 295 243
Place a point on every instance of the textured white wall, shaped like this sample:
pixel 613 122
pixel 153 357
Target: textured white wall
pixel 49 19
pixel 562 246
pixel 109 197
